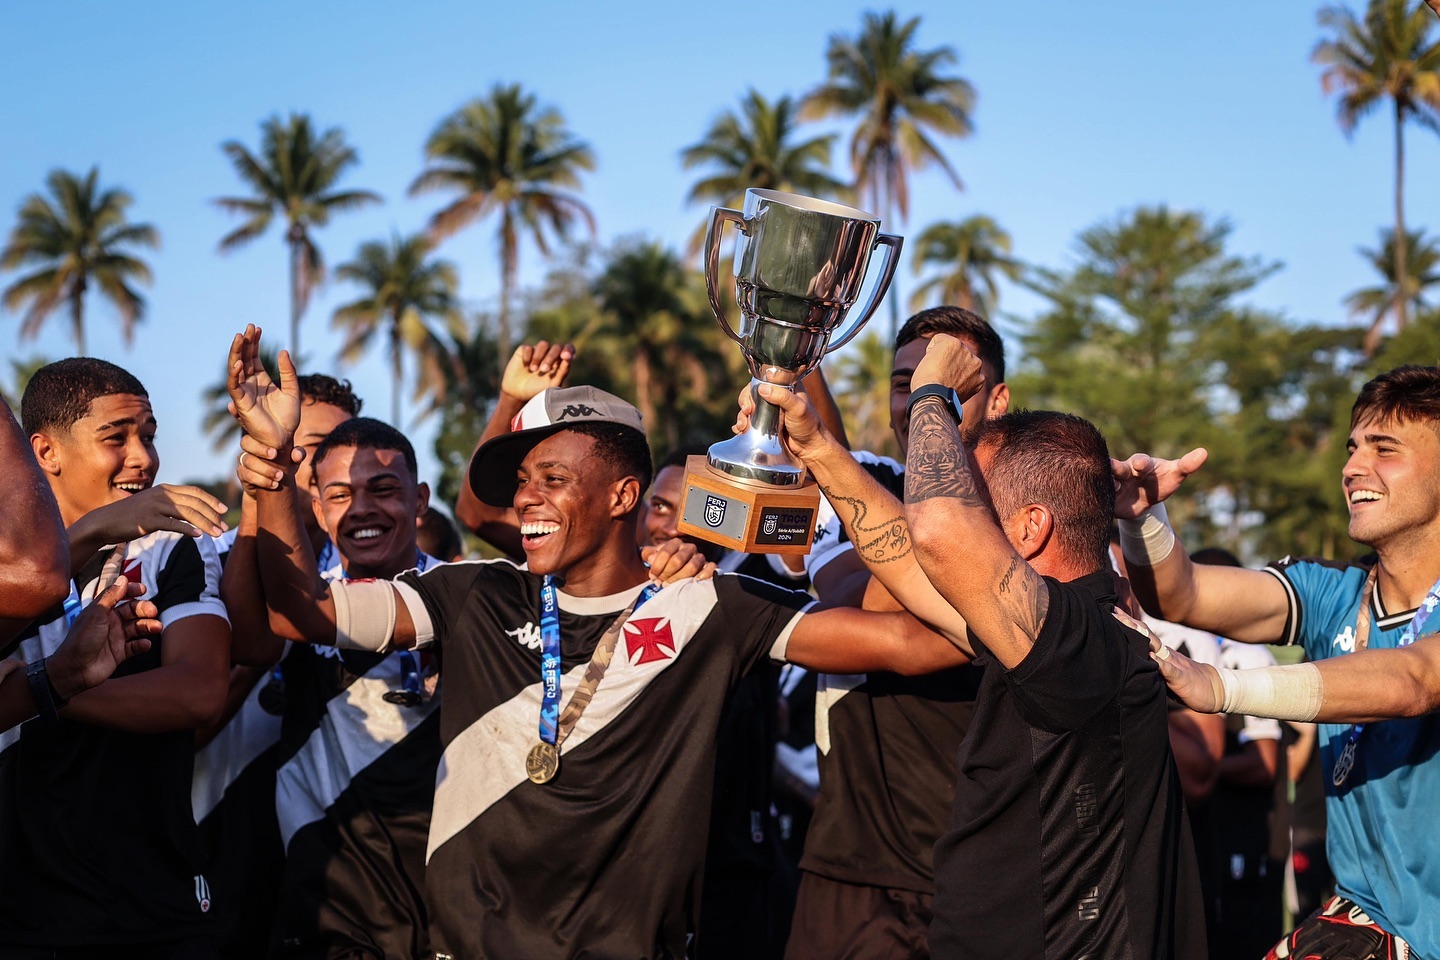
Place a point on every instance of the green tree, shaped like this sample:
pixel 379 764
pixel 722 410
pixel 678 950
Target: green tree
pixel 759 147
pixel 1386 56
pixel 861 378
pixel 1147 337
pixel 969 253
pixel 1421 273
pixel 20 373
pixel 460 382
pixel 293 176
pixel 78 237
pixel 405 291
pixel 902 98
pixel 507 156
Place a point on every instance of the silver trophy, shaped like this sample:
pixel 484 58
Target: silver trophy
pixel 799 267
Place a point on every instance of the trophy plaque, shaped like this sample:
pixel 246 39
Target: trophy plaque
pixel 799 266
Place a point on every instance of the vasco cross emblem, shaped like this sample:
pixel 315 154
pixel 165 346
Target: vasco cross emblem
pixel 714 510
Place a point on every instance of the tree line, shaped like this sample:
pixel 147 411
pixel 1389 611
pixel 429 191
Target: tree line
pixel 1146 334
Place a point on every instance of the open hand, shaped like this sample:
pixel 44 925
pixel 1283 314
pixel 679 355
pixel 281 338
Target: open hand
pixel 267 412
pixel 178 508
pixel 1197 685
pixel 1142 480
pixel 100 640
pixel 533 369
pixel 676 559
pixel 950 363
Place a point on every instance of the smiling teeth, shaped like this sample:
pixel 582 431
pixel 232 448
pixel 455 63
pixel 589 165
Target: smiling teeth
pixel 132 487
pixel 538 529
pixel 1361 496
pixel 369 533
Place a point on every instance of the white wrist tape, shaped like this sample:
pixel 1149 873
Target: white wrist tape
pixel 1284 693
pixel 1148 538
pixel 364 614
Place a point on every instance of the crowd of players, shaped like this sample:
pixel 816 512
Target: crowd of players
pixel 324 733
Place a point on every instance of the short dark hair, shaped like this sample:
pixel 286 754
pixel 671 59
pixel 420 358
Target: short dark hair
pixel 1402 395
pixel 1215 557
pixel 624 448
pixel 1060 461
pixel 60 393
pixel 958 322
pixel 367 433
pixel 438 537
pixel 319 388
pixel 679 456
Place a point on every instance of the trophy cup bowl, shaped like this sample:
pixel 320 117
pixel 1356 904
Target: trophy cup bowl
pixel 799 267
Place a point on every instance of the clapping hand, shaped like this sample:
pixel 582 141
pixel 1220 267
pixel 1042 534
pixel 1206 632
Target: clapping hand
pixel 533 369
pixel 267 412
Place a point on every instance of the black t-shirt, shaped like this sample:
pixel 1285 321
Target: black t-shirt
pixel 1070 837
pixel 98 843
pixel 604 860
pixel 887 752
pixel 354 789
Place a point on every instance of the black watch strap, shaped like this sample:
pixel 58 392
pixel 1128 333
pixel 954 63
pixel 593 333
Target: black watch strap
pixel 939 391
pixel 47 700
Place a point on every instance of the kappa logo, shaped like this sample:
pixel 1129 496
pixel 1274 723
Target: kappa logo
pixel 651 639
pixel 526 636
pixel 576 410
pixel 1345 639
pixel 202 893
pixel 768 527
pixel 714 510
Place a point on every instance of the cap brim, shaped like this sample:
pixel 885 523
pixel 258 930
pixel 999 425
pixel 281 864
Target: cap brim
pixel 495 464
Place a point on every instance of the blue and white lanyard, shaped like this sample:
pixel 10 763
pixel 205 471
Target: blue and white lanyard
pixel 550 655
pixel 1413 630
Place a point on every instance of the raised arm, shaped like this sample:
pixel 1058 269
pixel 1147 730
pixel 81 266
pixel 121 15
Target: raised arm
pixel 531 369
pixel 34 553
pixel 874 520
pixel 847 640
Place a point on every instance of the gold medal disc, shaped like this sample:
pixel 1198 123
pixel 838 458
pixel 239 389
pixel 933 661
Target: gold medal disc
pixel 542 762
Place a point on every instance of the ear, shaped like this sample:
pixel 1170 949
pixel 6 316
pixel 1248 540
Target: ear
pixel 1036 525
pixel 625 497
pixel 422 500
pixel 999 402
pixel 47 453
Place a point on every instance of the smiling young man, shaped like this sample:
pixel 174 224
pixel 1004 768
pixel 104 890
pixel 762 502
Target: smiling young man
pixel 576 831
pixel 100 854
pixel 1359 624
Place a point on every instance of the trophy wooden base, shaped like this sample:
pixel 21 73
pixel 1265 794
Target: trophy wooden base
pixel 747 516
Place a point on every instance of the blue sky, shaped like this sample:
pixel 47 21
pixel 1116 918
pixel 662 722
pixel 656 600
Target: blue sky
pixel 1084 111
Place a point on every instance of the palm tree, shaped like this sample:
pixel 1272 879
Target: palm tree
pixel 404 291
pixel 1421 273
pixel 293 176
pixel 79 239
pixel 757 148
pixel 971 252
pixel 862 390
pixel 1387 56
pixel 508 156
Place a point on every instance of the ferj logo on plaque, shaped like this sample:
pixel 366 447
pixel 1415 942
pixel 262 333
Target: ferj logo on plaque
pixel 799 267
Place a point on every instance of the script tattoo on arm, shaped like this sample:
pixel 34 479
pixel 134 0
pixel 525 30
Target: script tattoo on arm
pixel 1027 601
pixel 937 465
pixel 882 542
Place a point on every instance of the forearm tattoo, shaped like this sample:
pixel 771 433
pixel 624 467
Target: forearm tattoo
pixel 883 542
pixel 1027 601
pixel 936 465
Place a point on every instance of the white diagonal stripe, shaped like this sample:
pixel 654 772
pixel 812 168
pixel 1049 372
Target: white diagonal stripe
pixel 829 688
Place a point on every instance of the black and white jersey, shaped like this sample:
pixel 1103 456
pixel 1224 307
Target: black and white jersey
pixel 887 749
pixel 97 841
pixel 605 859
pixel 353 794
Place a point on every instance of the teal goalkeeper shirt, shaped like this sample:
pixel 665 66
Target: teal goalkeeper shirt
pixel 1384 822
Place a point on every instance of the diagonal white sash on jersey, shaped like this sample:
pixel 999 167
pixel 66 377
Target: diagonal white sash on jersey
pixel 358 728
pixel 829 688
pixel 487 759
pixel 220 762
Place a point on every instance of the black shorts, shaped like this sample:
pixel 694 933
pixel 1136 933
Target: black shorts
pixel 850 921
pixel 193 948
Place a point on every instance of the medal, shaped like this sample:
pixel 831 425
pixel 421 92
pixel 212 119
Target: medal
pixel 1345 762
pixel 542 762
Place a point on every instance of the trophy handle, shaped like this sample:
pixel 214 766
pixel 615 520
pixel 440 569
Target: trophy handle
pixel 892 244
pixel 718 216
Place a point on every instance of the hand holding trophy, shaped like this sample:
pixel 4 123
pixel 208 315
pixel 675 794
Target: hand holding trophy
pixel 799 266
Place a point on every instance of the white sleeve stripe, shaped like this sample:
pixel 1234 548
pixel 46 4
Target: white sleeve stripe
pixel 777 649
pixel 1292 635
pixel 419 615
pixel 205 605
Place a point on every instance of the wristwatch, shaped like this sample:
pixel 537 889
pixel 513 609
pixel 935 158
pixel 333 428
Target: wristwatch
pixel 951 398
pixel 47 699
